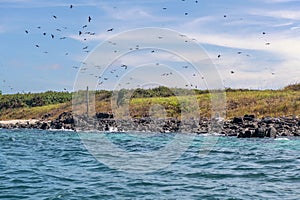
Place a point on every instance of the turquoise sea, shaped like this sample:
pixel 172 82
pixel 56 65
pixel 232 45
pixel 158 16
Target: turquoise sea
pixel 37 164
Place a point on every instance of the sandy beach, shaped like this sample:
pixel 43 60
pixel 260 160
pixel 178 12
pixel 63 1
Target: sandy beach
pixel 19 121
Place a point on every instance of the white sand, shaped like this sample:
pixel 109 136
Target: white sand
pixel 20 121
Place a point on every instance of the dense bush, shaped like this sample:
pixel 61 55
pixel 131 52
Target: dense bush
pixel 294 87
pixel 33 99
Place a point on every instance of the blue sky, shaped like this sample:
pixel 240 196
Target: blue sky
pixel 54 64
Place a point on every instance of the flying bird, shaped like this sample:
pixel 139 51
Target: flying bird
pixel 219 56
pixel 85 47
pixel 79 33
pixel 89 19
pixel 44 33
pixel 125 66
pixel 84 26
pixel 232 72
pixel 26 31
pixel 54 16
pixel 52 36
pixel 37 46
pixel 111 29
pixel 71 6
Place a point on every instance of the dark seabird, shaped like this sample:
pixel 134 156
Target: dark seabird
pixel 26 31
pixel 79 33
pixel 110 29
pixel 54 16
pixel 37 45
pixel 89 19
pixel 71 6
pixel 125 66
pixel 84 26
pixel 219 56
pixel 52 36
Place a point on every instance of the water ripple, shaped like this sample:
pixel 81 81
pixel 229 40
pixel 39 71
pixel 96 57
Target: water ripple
pixel 55 165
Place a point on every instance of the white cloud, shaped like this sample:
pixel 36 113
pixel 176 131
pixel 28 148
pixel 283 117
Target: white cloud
pixel 89 38
pixel 283 24
pixel 131 14
pixel 41 4
pixel 278 1
pixel 282 14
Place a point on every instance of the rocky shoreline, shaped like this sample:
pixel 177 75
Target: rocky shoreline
pixel 242 127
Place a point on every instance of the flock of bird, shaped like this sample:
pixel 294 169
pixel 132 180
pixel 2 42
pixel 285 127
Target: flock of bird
pixel 81 32
pixel 84 32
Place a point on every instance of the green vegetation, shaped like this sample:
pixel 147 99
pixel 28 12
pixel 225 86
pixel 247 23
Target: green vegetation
pixel 172 102
pixel 11 101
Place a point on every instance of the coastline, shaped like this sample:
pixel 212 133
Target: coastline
pixel 18 121
pixel 242 127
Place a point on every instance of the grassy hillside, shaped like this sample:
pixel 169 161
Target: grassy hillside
pixel 49 105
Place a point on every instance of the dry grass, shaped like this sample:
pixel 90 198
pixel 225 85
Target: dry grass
pixel 260 103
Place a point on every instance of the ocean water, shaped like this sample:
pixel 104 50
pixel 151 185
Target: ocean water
pixel 37 164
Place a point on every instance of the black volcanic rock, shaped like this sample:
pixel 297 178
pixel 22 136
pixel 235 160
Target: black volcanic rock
pixel 237 120
pixel 259 132
pixel 104 115
pixel 271 132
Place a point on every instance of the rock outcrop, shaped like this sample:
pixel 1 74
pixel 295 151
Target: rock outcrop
pixel 243 127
